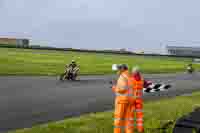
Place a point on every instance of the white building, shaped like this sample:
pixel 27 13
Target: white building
pixel 183 51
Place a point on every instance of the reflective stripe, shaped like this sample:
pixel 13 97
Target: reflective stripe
pixel 128 95
pixel 123 87
pixel 119 126
pixel 130 125
pixel 119 94
pixel 133 118
pixel 139 124
pixel 136 119
pixel 139 119
pixel 138 110
pixel 120 119
pixel 138 90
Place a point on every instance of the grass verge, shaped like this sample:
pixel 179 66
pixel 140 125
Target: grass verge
pixel 156 114
pixel 43 62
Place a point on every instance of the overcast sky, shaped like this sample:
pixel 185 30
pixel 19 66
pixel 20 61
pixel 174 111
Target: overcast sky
pixel 103 24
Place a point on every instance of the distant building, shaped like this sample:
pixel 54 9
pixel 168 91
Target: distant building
pixel 14 41
pixel 122 50
pixel 183 51
pixel 141 52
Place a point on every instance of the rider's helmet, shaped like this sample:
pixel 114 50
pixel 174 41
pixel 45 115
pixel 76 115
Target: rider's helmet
pixel 73 62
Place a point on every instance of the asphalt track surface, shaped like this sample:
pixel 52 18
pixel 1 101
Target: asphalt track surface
pixel 26 101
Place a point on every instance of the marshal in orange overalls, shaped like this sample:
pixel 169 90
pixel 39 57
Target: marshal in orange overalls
pixel 138 85
pixel 123 107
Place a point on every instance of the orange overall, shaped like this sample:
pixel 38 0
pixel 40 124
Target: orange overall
pixel 138 106
pixel 123 109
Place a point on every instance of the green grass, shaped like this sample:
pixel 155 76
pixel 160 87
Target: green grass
pixel 156 113
pixel 15 61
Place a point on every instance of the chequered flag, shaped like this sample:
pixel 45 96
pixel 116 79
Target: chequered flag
pixel 156 87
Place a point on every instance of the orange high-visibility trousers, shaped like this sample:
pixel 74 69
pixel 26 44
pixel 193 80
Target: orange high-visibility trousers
pixel 130 122
pixel 122 119
pixel 124 113
pixel 139 114
pixel 136 116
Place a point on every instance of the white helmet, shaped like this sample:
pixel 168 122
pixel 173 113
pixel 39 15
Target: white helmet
pixel 114 67
pixel 136 69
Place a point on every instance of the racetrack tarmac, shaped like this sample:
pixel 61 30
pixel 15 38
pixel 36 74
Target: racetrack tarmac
pixel 26 101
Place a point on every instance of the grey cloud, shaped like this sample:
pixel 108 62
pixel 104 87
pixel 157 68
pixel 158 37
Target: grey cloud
pixel 107 23
pixel 91 35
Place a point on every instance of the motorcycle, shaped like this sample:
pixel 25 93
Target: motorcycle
pixel 190 70
pixel 70 74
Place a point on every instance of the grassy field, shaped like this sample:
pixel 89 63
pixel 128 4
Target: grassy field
pixel 43 62
pixel 157 113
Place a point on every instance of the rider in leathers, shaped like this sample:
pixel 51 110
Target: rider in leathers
pixel 190 69
pixel 73 67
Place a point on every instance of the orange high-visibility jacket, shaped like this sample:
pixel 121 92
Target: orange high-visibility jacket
pixel 123 88
pixel 138 86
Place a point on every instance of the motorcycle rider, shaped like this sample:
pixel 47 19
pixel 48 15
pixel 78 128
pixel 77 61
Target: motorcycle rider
pixel 190 68
pixel 73 67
